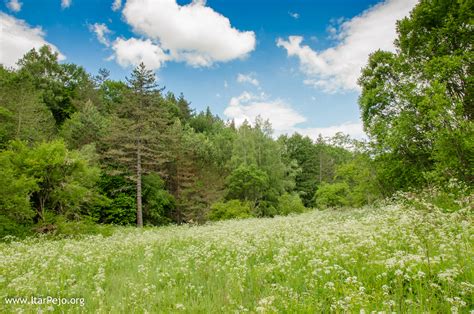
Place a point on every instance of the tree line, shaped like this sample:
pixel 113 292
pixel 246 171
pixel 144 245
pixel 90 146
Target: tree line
pixel 76 146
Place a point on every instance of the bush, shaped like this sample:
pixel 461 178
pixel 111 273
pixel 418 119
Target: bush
pixel 158 204
pixel 450 197
pixel 265 209
pixel 121 207
pixel 229 210
pixel 332 195
pixel 9 227
pixel 63 227
pixel 290 203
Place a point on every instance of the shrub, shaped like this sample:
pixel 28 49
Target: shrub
pixel 290 203
pixel 120 208
pixel 230 209
pixel 9 227
pixel 158 203
pixel 265 209
pixel 62 227
pixel 453 196
pixel 332 195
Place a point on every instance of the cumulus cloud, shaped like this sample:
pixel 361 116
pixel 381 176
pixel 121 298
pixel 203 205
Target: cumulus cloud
pixel 191 33
pixel 248 106
pixel 284 119
pixel 248 78
pixel 101 30
pixel 338 67
pixel 131 52
pixel 14 5
pixel 116 5
pixel 17 38
pixel 65 3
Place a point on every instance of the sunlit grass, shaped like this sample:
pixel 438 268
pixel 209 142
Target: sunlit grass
pixel 380 259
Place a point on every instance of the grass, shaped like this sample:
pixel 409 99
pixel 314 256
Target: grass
pixel 360 260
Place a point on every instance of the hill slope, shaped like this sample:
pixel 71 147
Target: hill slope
pixel 384 259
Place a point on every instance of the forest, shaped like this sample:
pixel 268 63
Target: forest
pixel 81 147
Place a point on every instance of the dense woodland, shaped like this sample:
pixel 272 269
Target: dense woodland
pixel 82 147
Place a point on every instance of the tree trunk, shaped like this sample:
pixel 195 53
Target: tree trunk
pixel 139 187
pixel 320 168
pixel 178 205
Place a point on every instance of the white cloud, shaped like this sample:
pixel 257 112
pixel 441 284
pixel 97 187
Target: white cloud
pixel 17 38
pixel 14 5
pixel 116 5
pixel 338 67
pixel 248 106
pixel 101 30
pixel 354 129
pixel 283 117
pixel 131 52
pixel 191 33
pixel 226 84
pixel 65 3
pixel 248 78
pixel 294 15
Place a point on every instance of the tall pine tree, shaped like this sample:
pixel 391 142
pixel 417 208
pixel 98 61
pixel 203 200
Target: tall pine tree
pixel 136 138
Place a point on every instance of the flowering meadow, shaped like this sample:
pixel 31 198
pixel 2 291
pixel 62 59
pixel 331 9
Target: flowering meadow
pixel 388 259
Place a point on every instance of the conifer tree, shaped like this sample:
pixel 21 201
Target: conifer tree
pixel 183 173
pixel 138 130
pixel 185 111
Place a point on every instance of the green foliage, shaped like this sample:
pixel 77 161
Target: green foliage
pixel 265 208
pixel 158 203
pixel 65 180
pixel 417 103
pixel 248 183
pixel 361 178
pixel 332 195
pixel 290 203
pixel 183 174
pixel 230 210
pixel 23 115
pixel 309 159
pixel 84 127
pixel 255 154
pixel 15 192
pixel 121 209
pixel 60 84
pixel 112 94
pixel 185 112
pixel 66 228
pixel 204 122
pixel 10 227
pixel 136 138
pixel 452 196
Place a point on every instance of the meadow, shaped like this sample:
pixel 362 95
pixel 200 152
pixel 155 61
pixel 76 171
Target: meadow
pixel 389 259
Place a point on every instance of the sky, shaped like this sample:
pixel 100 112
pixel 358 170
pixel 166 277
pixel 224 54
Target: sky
pixel 295 62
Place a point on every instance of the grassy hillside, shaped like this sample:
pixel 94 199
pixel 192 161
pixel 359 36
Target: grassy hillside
pixel 383 259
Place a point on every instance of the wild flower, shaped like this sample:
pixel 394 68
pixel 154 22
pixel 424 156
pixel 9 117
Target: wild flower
pixel 322 261
pixel 180 306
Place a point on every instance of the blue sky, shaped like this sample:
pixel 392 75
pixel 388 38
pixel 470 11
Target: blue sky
pixel 294 62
